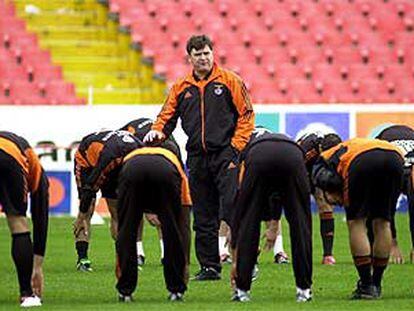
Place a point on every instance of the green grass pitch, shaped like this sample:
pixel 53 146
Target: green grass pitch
pixel 68 289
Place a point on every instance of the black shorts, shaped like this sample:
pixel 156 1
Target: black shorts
pixel 109 187
pixel 13 186
pixel 374 183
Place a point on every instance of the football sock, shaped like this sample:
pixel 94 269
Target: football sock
pixel 162 248
pixel 223 250
pixel 22 253
pixel 363 264
pixel 278 247
pixel 140 249
pixel 379 265
pixel 82 249
pixel 327 232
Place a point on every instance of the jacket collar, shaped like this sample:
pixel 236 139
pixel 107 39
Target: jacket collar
pixel 215 73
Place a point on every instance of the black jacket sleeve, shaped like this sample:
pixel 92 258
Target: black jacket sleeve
pixel 40 215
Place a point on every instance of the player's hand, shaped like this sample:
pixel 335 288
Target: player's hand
pixel 37 276
pixel 81 224
pixel 270 239
pixel 154 136
pixel 412 256
pixel 153 219
pixel 395 254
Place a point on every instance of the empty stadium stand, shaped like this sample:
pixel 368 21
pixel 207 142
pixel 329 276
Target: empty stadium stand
pixel 93 52
pixel 334 51
pixel 287 51
pixel 27 74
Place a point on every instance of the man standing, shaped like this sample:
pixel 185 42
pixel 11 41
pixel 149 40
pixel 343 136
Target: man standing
pixel 21 172
pixel 218 118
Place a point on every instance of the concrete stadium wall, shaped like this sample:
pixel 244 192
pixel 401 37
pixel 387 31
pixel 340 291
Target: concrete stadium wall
pixel 66 124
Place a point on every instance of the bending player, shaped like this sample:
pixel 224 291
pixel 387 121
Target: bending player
pixel 313 144
pixel 403 137
pixel 273 168
pixel 21 172
pixel 364 176
pixel 152 180
pixel 97 164
pixel 140 127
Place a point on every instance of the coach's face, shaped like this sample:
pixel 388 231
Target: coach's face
pixel 202 60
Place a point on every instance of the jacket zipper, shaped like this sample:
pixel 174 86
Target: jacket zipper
pixel 203 140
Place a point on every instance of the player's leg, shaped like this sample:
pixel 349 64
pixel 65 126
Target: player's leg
pixel 131 204
pixel 327 229
pixel 381 249
pixel 13 200
pixel 296 203
pixel 169 209
pixel 410 196
pixel 223 247
pixel 361 253
pixel 159 232
pixel 82 239
pixel 279 254
pixel 140 245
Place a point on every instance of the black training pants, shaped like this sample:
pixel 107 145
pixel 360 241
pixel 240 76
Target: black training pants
pixel 213 186
pixel 273 169
pixel 150 183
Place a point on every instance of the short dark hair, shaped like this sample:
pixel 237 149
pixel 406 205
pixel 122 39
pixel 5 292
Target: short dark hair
pixel 330 140
pixel 198 43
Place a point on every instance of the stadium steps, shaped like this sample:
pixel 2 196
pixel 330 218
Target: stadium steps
pixel 93 53
pixel 103 80
pixel 81 47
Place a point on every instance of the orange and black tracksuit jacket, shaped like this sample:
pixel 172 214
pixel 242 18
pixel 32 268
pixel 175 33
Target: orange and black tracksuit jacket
pixel 342 156
pixel 98 161
pixel 21 173
pixel 215 112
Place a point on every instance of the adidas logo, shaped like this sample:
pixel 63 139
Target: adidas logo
pixel 187 95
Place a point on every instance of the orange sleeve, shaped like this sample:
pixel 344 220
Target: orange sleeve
pixel 245 120
pixel 167 112
pixel 35 169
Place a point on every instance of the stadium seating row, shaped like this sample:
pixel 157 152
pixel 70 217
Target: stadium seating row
pixel 327 41
pixel 27 74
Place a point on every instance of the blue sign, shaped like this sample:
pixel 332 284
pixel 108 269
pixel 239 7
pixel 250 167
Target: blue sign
pixel 298 124
pixel 268 120
pixel 59 191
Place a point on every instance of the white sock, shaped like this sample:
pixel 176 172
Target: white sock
pixel 223 250
pixel 162 248
pixel 278 247
pixel 140 249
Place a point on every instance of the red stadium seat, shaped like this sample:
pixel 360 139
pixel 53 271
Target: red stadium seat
pixel 312 51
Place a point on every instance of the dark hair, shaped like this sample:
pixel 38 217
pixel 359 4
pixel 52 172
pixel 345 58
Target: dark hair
pixel 198 43
pixel 329 141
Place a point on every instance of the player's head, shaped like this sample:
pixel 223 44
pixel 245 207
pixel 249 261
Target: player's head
pixel 310 144
pixel 315 143
pixel 200 53
pixel 139 127
pixel 329 141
